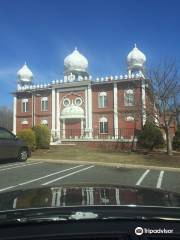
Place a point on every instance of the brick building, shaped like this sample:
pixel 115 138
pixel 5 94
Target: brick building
pixel 82 108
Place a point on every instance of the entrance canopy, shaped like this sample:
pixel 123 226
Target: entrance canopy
pixel 72 112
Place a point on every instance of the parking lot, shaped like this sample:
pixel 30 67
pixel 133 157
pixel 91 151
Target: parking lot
pixel 32 174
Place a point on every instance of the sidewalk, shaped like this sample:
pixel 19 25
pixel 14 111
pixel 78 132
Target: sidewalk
pixel 117 165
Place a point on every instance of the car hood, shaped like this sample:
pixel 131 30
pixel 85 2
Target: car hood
pixel 87 195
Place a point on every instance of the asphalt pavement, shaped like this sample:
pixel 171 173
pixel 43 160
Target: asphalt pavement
pixel 33 174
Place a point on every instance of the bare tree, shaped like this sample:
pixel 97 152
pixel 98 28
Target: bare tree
pixel 6 118
pixel 177 109
pixel 135 111
pixel 164 80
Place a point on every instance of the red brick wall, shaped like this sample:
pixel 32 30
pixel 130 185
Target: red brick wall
pixel 21 126
pixel 129 110
pixel 72 96
pixel 39 114
pixel 23 115
pixel 107 112
pixel 108 145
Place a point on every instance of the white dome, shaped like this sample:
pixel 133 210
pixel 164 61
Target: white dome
pixel 25 74
pixel 75 61
pixel 136 59
pixel 72 112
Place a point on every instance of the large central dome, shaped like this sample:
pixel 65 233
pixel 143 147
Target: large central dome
pixel 75 62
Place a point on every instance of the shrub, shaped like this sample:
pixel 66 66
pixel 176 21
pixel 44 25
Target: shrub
pixel 28 136
pixel 176 140
pixel 150 136
pixel 43 135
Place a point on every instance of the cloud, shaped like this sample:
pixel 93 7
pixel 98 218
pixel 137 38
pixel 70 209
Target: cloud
pixel 45 76
pixel 8 76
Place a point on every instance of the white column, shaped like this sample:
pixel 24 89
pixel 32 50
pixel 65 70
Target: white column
pixel 64 134
pixel 143 89
pixel 82 127
pixel 115 111
pixel 129 72
pixel 57 115
pixel 33 109
pixel 156 115
pixel 90 110
pixel 117 196
pixel 15 202
pixel 53 110
pixel 86 109
pixel 91 195
pixel 14 114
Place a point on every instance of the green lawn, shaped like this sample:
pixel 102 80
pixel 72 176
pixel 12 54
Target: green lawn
pixel 81 153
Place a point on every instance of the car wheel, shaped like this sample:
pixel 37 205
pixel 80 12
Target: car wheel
pixel 23 155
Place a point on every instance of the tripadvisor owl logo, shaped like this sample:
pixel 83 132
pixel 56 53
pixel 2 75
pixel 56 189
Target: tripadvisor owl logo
pixel 138 231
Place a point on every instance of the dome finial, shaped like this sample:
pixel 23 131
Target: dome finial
pixel 25 63
pixel 76 48
pixel 135 45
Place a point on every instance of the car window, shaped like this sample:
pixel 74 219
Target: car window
pixel 5 134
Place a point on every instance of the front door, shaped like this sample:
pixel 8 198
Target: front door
pixel 72 128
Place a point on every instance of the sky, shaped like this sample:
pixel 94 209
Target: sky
pixel 44 32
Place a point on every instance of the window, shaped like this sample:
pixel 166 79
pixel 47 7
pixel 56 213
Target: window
pixel 102 99
pixel 129 97
pixel 24 121
pixel 4 134
pixel 44 122
pixel 44 104
pixel 103 125
pixel 78 101
pixel 25 105
pixel 66 102
pixel 129 118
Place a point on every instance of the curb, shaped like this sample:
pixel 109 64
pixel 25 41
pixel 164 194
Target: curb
pixel 117 165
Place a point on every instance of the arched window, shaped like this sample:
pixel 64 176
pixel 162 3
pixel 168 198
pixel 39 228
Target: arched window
pixel 102 99
pixel 24 121
pixel 44 121
pixel 44 104
pixel 129 118
pixel 129 97
pixel 25 105
pixel 103 125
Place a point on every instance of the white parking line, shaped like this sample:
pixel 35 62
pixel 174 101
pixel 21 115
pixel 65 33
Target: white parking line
pixel 37 179
pixel 159 182
pixel 9 165
pixel 23 165
pixel 142 177
pixel 56 179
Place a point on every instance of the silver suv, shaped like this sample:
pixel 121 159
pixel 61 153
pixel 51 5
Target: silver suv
pixel 11 147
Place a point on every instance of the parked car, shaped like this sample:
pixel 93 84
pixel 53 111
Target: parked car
pixel 11 147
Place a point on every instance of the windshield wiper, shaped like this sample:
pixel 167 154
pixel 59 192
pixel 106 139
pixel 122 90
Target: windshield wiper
pixel 74 216
pixel 24 216
pixel 87 213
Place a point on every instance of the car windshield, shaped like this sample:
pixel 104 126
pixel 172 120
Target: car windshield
pixel 90 103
